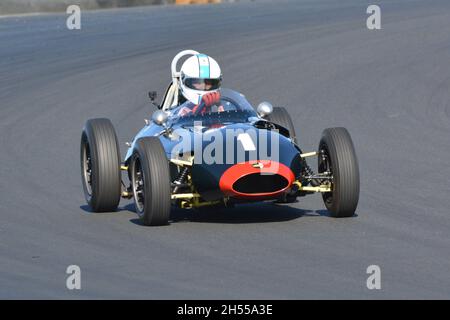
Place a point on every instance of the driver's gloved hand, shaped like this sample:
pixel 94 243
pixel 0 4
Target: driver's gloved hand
pixel 211 98
pixel 207 101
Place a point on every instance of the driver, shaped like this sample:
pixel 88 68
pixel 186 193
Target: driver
pixel 199 84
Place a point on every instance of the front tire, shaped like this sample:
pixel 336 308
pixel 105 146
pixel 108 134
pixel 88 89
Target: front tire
pixel 100 165
pixel 337 155
pixel 150 181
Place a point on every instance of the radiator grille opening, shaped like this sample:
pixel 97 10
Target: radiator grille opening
pixel 258 183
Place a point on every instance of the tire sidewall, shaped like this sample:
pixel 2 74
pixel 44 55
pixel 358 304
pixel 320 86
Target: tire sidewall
pixel 90 139
pixel 139 153
pixel 326 144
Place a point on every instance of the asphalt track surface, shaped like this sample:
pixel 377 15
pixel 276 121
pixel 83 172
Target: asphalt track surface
pixel 389 87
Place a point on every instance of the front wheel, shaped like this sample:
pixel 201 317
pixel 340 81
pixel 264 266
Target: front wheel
pixel 337 158
pixel 150 181
pixel 100 165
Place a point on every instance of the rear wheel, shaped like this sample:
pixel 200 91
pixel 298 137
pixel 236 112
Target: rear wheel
pixel 337 158
pixel 281 117
pixel 100 165
pixel 150 181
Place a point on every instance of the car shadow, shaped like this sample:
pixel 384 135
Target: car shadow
pixel 129 207
pixel 240 214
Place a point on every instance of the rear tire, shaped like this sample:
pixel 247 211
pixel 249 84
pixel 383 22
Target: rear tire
pixel 281 117
pixel 337 154
pixel 150 181
pixel 100 165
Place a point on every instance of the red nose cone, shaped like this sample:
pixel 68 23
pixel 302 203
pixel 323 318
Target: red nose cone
pixel 256 179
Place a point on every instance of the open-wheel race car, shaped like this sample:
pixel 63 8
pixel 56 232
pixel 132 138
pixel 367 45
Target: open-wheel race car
pixel 221 153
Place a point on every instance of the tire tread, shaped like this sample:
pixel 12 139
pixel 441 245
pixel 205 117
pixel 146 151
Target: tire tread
pixel 105 157
pixel 345 171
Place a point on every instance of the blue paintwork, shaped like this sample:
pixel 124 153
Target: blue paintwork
pixel 205 176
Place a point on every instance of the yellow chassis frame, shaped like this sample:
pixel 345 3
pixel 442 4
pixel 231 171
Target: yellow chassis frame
pixel 192 199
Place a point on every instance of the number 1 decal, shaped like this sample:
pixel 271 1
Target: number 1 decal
pixel 246 141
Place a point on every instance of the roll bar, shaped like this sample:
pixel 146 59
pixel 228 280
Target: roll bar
pixel 175 73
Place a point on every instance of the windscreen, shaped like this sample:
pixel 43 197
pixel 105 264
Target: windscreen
pixel 232 108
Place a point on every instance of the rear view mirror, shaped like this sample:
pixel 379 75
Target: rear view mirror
pixel 264 109
pixel 159 117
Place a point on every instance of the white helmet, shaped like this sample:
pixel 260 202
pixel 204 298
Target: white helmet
pixel 200 74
